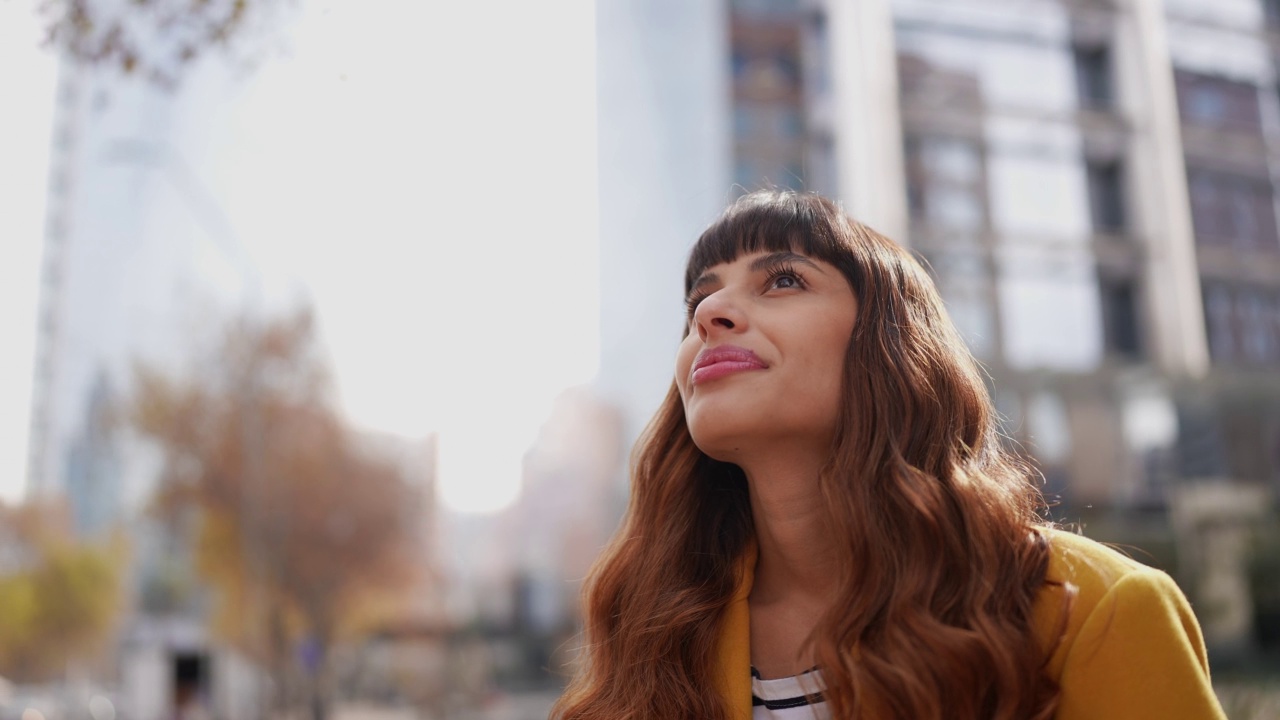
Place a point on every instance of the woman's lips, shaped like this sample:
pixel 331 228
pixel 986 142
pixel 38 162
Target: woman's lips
pixel 717 362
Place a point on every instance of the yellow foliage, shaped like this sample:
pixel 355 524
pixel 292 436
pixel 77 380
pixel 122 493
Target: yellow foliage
pixel 63 605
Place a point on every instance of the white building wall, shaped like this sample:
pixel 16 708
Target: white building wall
pixel 665 173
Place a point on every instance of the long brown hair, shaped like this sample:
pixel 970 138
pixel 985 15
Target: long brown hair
pixel 942 558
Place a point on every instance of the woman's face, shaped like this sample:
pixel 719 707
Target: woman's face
pixel 764 357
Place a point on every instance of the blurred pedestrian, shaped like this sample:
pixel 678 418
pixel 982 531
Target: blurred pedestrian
pixel 824 522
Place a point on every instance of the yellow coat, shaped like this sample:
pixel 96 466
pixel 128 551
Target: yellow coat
pixel 1132 648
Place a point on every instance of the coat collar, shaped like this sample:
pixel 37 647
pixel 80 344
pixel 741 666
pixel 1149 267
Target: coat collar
pixel 733 671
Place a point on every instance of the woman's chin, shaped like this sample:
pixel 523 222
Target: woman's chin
pixel 723 445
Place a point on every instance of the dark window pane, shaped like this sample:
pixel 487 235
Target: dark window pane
pixel 1217 102
pixel 767 122
pixel 1243 324
pixel 1219 323
pixel 1272 10
pixel 766 8
pixel 1120 317
pixel 1258 327
pixel 1200 451
pixel 1106 198
pixel 1231 209
pixel 1093 76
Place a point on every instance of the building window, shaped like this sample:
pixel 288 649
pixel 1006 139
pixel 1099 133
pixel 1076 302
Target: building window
pixel 767 122
pixel 1093 75
pixel 1120 317
pixel 771 72
pixel 1217 318
pixel 818 57
pixel 765 8
pixel 1200 451
pixel 1243 324
pixel 1106 196
pixel 821 172
pixel 1258 328
pixel 1271 8
pixel 770 126
pixel 945 181
pixel 760 173
pixel 1232 209
pixel 1212 101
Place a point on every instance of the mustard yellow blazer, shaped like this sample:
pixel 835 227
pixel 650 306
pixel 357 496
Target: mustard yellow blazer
pixel 1132 647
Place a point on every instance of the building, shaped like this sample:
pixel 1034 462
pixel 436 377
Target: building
pixel 136 256
pixel 135 266
pixel 1089 181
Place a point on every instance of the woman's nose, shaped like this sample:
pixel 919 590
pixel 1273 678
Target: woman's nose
pixel 718 312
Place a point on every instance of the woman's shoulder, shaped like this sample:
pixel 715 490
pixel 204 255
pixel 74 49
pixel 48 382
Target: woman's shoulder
pixel 1085 575
pixel 1124 637
pixel 1092 567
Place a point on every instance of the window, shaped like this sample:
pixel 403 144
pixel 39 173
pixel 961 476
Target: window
pixel 766 73
pixel 767 122
pixel 1258 328
pixel 1093 76
pixel 1217 319
pixel 1271 8
pixel 1119 317
pixel 821 170
pixel 1200 451
pixel 818 71
pixel 768 113
pixel 1243 324
pixel 755 173
pixel 765 8
pixel 945 182
pixel 1106 198
pixel 1232 209
pixel 1213 101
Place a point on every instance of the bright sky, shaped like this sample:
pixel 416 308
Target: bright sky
pixel 426 172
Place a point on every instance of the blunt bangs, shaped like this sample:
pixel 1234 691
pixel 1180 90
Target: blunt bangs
pixel 771 221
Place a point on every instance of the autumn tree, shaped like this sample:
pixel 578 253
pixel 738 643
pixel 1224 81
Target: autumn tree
pixel 299 528
pixel 59 598
pixel 159 40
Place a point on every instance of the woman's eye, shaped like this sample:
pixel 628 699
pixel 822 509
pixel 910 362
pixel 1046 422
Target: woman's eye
pixel 784 282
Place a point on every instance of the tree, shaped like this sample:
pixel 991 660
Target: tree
pixel 299 528
pixel 158 39
pixel 59 598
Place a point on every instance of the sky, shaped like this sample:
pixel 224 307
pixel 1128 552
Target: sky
pixel 424 175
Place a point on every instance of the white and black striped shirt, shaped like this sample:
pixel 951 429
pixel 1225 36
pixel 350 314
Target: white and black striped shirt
pixel 798 697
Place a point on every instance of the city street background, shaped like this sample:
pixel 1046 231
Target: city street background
pixel 328 325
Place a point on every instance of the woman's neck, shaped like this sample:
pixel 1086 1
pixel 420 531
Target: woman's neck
pixel 796 551
pixel 795 574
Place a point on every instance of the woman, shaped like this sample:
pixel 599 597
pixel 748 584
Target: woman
pixel 823 521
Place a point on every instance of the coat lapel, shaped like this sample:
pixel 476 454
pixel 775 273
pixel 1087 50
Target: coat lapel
pixel 733 676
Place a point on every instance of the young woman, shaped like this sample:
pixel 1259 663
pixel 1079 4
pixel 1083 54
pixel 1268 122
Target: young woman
pixel 823 521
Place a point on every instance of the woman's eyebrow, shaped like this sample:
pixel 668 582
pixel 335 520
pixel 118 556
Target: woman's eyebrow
pixel 703 280
pixel 772 260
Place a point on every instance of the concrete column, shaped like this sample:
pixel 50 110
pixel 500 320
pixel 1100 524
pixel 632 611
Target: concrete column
pixel 1158 187
pixel 868 126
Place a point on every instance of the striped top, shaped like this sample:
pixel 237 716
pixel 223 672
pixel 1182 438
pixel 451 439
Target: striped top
pixel 798 697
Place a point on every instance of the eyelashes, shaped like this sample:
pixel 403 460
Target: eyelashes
pixel 772 276
pixel 691 302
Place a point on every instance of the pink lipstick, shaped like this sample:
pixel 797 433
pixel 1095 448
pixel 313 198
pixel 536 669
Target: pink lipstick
pixel 717 362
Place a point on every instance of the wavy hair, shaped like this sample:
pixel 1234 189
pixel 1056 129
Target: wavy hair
pixel 939 524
